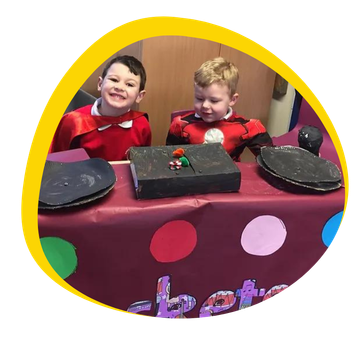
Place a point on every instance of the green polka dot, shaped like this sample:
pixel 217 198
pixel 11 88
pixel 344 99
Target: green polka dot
pixel 60 255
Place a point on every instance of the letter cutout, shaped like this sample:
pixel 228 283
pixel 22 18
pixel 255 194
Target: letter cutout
pixel 247 292
pixel 167 307
pixel 139 306
pixel 217 302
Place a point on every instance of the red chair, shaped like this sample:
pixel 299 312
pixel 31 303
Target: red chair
pixel 176 113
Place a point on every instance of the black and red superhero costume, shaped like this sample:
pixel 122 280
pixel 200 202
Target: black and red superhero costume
pixel 235 133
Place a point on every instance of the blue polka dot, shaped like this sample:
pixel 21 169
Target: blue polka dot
pixel 331 227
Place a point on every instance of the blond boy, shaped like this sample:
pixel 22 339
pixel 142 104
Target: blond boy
pixel 213 119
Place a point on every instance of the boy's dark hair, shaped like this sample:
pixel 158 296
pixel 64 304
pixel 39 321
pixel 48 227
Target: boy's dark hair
pixel 134 65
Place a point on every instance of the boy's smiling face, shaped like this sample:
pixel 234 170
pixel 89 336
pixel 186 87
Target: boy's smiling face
pixel 212 102
pixel 119 90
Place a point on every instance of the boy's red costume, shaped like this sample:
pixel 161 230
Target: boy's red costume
pixel 235 133
pixel 101 136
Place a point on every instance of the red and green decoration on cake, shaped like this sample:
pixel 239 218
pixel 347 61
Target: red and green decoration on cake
pixel 182 160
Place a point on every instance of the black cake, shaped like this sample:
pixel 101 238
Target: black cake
pixel 310 138
pixel 210 170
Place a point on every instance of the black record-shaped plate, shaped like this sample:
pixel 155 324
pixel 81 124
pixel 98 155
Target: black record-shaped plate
pixel 65 183
pixel 77 202
pixel 321 186
pixel 299 165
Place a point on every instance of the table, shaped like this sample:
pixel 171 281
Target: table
pixel 194 256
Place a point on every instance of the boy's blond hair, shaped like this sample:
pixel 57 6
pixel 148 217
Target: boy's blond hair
pixel 220 71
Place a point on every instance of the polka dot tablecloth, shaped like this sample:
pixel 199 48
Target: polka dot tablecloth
pixel 196 256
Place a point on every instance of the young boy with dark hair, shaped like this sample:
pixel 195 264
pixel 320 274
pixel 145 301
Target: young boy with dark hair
pixel 108 128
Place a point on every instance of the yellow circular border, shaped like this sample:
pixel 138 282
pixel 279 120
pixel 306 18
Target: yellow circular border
pixel 99 52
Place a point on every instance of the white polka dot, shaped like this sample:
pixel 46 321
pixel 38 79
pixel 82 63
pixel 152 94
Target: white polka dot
pixel 263 235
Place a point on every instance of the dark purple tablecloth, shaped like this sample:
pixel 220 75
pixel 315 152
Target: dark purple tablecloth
pixel 125 261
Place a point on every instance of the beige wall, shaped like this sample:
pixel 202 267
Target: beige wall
pixel 170 62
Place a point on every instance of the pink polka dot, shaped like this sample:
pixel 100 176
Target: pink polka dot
pixel 263 235
pixel 173 241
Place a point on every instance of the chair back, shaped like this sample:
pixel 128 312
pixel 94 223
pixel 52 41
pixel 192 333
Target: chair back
pixel 81 98
pixel 176 113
